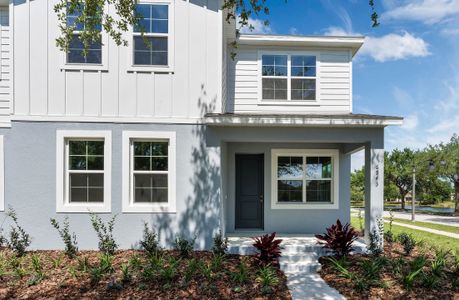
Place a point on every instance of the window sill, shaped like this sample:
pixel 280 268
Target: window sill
pixel 84 67
pixel 150 69
pixel 288 103
pixel 84 208
pixel 296 205
pixel 148 208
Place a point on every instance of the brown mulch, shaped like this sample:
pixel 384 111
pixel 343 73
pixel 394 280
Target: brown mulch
pixel 69 281
pixel 390 285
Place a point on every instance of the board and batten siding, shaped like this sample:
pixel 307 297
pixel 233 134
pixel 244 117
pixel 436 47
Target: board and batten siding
pixel 334 83
pixel 5 66
pixel 43 88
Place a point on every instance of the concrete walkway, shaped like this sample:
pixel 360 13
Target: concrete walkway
pixel 300 263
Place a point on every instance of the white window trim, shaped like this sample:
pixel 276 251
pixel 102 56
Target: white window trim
pixel 2 175
pixel 289 54
pixel 103 66
pixel 128 202
pixel 333 153
pixel 62 189
pixel 170 42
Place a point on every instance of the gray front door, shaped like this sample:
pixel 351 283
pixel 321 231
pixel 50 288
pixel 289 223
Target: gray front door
pixel 249 191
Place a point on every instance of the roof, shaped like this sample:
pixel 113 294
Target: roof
pixel 303 120
pixel 352 42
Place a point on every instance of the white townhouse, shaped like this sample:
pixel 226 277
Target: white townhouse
pixel 179 134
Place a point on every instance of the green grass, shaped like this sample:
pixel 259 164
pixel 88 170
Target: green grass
pixel 447 228
pixel 429 239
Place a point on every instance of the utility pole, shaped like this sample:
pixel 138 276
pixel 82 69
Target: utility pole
pixel 413 195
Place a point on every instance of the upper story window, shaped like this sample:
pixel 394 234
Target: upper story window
pixel 75 54
pixel 152 48
pixel 288 77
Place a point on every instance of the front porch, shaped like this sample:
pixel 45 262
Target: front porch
pixel 295 178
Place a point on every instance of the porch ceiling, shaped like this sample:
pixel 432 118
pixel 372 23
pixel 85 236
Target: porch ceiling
pixel 304 120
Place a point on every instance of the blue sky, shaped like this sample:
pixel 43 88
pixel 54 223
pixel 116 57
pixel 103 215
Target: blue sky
pixel 409 65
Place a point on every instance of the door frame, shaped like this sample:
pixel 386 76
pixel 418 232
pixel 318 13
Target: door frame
pixel 261 158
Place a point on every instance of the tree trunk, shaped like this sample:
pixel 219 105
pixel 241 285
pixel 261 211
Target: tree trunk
pixel 403 200
pixel 456 196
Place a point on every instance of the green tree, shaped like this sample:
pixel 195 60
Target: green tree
pixel 358 185
pixel 95 18
pixel 444 162
pixel 398 170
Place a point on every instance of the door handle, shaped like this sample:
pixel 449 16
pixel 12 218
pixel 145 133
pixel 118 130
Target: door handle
pixel 261 198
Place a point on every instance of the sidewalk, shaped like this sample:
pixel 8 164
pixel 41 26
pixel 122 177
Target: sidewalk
pixel 435 231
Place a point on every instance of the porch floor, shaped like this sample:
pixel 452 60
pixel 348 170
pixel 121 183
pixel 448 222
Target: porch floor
pixel 299 261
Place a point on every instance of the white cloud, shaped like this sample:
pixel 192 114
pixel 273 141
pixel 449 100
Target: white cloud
pixel 403 98
pixel 426 11
pixel 259 27
pixel 395 47
pixel 410 123
pixel 388 47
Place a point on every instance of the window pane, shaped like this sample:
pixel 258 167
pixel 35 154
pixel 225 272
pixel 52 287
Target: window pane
pixel 267 60
pixel 289 190
pixel 159 11
pixel 77 147
pixel 159 195
pixel 280 60
pixel 78 195
pixel 280 71
pixel 95 180
pixel 150 50
pixel 159 164
pixel 150 180
pixel 274 65
pixel 318 167
pixel 303 89
pixel 96 195
pixel 78 180
pixel 159 58
pixel 159 148
pixel 289 167
pixel 75 52
pixel 95 147
pixel 280 94
pixel 268 71
pixel 142 195
pixel 143 26
pixel 77 162
pixel 159 26
pixel 142 148
pixel 142 58
pixel 318 191
pixel 142 163
pixel 268 94
pixel 274 88
pixel 95 162
pixel 300 60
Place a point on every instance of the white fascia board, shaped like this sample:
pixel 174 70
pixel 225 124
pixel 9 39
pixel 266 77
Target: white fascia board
pixel 300 121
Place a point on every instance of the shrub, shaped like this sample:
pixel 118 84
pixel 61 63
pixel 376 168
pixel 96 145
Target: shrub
pixel 168 273
pixel 126 275
pixel 220 245
pixel 184 246
pixel 341 267
pixel 375 246
pixel 149 242
pixel 18 240
pixel 268 278
pixel 268 247
pixel 439 263
pixel 415 270
pixel 104 232
pixel 69 240
pixel 241 275
pixel 408 242
pixel 339 238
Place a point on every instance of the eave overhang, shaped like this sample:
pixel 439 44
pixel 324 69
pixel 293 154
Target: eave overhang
pixel 344 120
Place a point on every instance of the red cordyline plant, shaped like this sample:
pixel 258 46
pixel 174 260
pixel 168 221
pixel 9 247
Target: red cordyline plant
pixel 268 248
pixel 339 238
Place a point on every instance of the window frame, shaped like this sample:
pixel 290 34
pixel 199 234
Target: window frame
pixel 131 67
pixel 289 100
pixel 103 66
pixel 63 204
pixel 333 153
pixel 128 205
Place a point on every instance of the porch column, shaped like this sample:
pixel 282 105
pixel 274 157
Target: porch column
pixel 374 186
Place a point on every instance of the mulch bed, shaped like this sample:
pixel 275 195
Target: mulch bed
pixel 391 282
pixel 64 278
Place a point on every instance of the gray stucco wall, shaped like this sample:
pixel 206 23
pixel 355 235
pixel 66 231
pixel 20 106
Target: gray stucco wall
pixel 30 186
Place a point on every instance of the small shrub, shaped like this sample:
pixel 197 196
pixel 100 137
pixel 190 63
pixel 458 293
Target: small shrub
pixel 206 270
pixel 389 237
pixel 268 248
pixel 149 242
pixel 134 262
pixel 241 276
pixel 126 275
pixel 217 261
pixel 430 281
pixel 268 278
pixel 408 242
pixel 220 245
pixel 361 227
pixel 106 263
pixel 184 246
pixel 96 274
pixel 37 266
pixel 439 263
pixel 168 273
pixel 339 238
pixel 104 232
pixel 341 267
pixel 375 245
pixel 83 264
pixel 456 263
pixel 19 239
pixel 70 242
pixel 191 269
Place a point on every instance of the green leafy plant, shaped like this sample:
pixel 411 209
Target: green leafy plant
pixel 340 267
pixel 375 246
pixel 408 242
pixel 360 217
pixel 83 264
pixel 57 261
pixel 268 247
pixel 456 264
pixel 220 245
pixel 439 263
pixel 19 239
pixel 415 270
pixel 69 239
pixel 149 242
pixel 126 275
pixel 184 246
pixel 134 262
pixel 96 274
pixel 106 263
pixel 217 261
pixel 169 272
pixel 268 278
pixel 241 275
pixel 430 281
pixel 37 266
pixel 206 270
pixel 107 243
pixel 339 238
pixel 193 266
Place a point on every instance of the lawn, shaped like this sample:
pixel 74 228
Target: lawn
pixel 429 239
pixel 447 228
